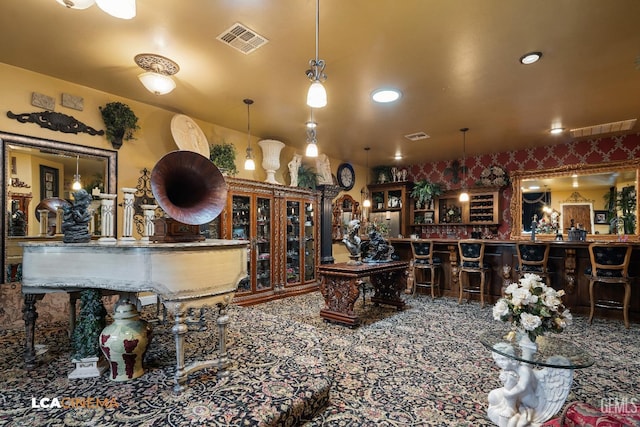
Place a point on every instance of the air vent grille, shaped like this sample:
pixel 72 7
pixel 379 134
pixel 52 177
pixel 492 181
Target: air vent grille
pixel 604 128
pixel 242 38
pixel 417 136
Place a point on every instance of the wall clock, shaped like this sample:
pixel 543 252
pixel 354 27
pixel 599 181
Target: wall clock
pixel 346 176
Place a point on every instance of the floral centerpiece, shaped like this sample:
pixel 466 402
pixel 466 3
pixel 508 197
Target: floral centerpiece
pixel 532 306
pixel 549 223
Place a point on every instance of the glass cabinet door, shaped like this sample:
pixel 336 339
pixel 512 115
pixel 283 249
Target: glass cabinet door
pixel 293 242
pixel 263 244
pixel 309 243
pixel 241 229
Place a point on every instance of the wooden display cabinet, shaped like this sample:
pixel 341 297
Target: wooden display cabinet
pixel 392 197
pixel 282 228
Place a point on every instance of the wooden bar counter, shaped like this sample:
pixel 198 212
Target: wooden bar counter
pixel 567 263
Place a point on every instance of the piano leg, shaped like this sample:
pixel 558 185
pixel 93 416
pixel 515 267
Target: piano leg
pixel 179 329
pixel 30 315
pixel 221 362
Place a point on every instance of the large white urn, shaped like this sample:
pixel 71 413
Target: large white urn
pixel 271 158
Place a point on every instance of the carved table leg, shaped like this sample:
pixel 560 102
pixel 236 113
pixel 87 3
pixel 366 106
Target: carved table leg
pixel 453 261
pixel 223 360
pixel 340 294
pixel 30 315
pixel 389 286
pixel 411 279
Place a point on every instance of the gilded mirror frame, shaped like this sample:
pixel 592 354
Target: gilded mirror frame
pixel 53 147
pixel 517 178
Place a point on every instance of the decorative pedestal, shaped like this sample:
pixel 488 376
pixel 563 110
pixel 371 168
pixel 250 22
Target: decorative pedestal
pixel 124 343
pixel 127 216
pixel 107 218
pixel 149 212
pixel 44 221
pixel 271 158
pixel 88 367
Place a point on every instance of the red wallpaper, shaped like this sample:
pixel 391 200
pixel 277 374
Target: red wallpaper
pixel 591 151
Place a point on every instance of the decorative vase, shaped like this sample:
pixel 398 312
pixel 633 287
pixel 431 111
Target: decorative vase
pixel 528 348
pixel 124 343
pixel 271 158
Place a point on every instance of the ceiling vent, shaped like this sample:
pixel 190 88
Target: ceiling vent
pixel 605 128
pixel 242 38
pixel 417 136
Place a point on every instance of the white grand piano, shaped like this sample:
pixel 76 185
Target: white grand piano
pixel 183 275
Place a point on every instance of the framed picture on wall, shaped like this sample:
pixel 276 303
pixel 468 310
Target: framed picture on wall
pixel 48 182
pixel 600 217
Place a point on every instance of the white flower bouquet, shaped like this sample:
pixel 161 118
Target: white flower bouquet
pixel 533 306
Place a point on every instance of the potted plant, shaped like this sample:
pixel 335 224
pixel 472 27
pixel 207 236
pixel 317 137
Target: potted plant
pixel 121 122
pixel 382 174
pixel 84 340
pixel 425 191
pixel 223 155
pixel 307 177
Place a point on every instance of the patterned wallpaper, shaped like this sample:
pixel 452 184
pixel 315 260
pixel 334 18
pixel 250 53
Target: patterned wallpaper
pixel 626 147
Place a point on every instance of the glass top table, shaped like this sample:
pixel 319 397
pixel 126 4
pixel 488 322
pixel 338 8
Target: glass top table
pixel 536 378
pixel 552 352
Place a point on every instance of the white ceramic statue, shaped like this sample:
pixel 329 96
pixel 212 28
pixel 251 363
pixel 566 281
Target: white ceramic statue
pixel 294 165
pixel 323 168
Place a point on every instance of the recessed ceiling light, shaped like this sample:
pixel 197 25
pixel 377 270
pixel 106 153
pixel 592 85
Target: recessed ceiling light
pixel 398 156
pixel 556 131
pixel 530 58
pixel 385 95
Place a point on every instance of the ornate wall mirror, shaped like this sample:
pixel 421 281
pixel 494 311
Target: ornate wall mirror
pixel 600 199
pixel 345 208
pixel 37 177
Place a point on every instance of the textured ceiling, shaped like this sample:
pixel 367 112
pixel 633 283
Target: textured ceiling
pixel 456 62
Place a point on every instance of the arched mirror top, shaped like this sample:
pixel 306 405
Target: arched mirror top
pixel 600 197
pixel 345 208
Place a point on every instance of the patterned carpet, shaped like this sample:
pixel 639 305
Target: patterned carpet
pixel 422 366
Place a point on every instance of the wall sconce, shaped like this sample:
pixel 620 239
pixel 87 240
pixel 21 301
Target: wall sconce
pixel 158 71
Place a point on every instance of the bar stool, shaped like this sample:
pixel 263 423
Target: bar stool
pixel 428 265
pixel 609 266
pixel 532 258
pixel 472 262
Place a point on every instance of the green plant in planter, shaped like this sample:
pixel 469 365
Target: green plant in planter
pixel 223 155
pixel 424 191
pixel 91 322
pixel 307 177
pixel 121 122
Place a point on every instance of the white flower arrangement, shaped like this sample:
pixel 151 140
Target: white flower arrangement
pixel 494 176
pixel 533 306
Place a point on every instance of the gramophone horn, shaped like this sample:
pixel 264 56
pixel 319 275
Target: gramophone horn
pixel 189 187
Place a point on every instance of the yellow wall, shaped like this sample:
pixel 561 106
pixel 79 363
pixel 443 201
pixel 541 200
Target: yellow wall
pixel 153 139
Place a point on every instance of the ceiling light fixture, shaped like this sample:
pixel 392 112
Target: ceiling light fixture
pixel 556 131
pixel 464 195
pixel 123 9
pixel 158 71
pixel 76 4
pixel 383 96
pixel 77 185
pixel 530 58
pixel 312 142
pixel 367 202
pixel 249 164
pixel 317 95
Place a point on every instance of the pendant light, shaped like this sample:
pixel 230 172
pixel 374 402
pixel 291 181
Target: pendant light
pixel 123 9
pixel 464 195
pixel 77 185
pixel 317 95
pixel 249 163
pixel 312 142
pixel 367 202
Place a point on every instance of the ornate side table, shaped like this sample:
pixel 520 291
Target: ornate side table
pixel 535 386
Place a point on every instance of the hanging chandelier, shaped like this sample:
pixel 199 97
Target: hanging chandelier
pixel 317 95
pixel 464 195
pixel 77 185
pixel 312 142
pixel 249 163
pixel 367 202
pixel 123 9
